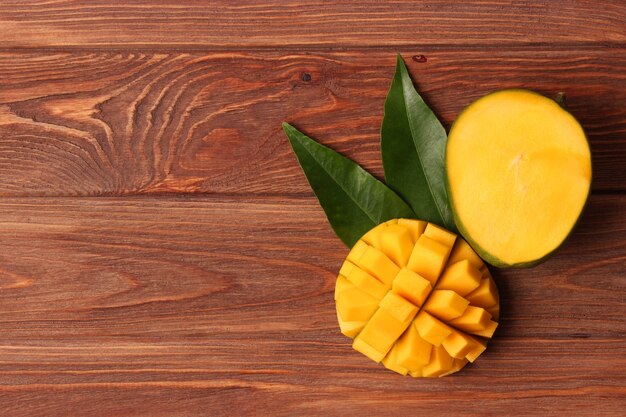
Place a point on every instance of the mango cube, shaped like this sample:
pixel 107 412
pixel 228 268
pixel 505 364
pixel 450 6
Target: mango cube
pixel 373 237
pixel 440 234
pixel 440 363
pixel 361 346
pixel 356 305
pixel 488 331
pixel 461 277
pixel 391 361
pixel 459 344
pixel 367 283
pixel 411 286
pixel 412 352
pixel 446 304
pixel 473 319
pixel 357 251
pixel 457 365
pixel 463 251
pixel 431 329
pixel 428 258
pixel 350 328
pixel 341 285
pixel 398 307
pixel 346 268
pixel 397 243
pixel 380 333
pixel 478 349
pixel 486 295
pixel 378 264
pixel 416 227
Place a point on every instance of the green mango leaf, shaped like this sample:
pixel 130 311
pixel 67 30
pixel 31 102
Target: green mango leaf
pixel 413 144
pixel 353 200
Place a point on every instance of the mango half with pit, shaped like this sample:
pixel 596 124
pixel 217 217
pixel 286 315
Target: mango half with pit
pixel 417 298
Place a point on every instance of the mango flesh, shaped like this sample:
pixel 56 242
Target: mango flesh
pixel 518 172
pixel 417 298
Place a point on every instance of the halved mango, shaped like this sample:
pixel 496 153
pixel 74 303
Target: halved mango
pixel 518 170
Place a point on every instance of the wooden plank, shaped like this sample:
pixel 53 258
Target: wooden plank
pixel 152 305
pixel 247 23
pixel 94 123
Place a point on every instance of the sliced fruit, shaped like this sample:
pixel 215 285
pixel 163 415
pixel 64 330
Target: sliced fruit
pixel 430 329
pixel 341 285
pixel 391 361
pixel 518 170
pixel 416 319
pixel 474 319
pixel 440 234
pixel 356 305
pixel 378 264
pixel 463 251
pixel 416 227
pixel 350 328
pixel 446 304
pixel 411 286
pixel 428 258
pixel 461 277
pixel 413 352
pixel 397 243
pixel 440 363
pixel 367 283
pixel 486 295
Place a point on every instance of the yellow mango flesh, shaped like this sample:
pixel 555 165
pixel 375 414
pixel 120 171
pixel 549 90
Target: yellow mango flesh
pixel 446 304
pixel 413 324
pixel 461 277
pixel 519 172
pixel 411 286
pixel 428 258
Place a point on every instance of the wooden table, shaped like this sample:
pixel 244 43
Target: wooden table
pixel 163 255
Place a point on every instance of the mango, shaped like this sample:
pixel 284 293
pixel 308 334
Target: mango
pixel 356 305
pixel 518 169
pixel 486 295
pixel 461 277
pixel 416 227
pixel 428 258
pixel 367 283
pixel 396 241
pixel 417 298
pixel 446 304
pixel 411 286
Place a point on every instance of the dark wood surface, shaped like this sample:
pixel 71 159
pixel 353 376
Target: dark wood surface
pixel 162 254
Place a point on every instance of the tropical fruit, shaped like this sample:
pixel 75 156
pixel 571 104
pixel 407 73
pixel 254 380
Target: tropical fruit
pixel 518 171
pixel 417 298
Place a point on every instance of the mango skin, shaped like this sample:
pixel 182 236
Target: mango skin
pixel 486 256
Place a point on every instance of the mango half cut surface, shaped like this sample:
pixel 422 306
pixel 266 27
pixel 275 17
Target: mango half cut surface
pixel 417 298
pixel 518 170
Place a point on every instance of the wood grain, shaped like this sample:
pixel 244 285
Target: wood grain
pixel 249 23
pixel 96 123
pixel 203 305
